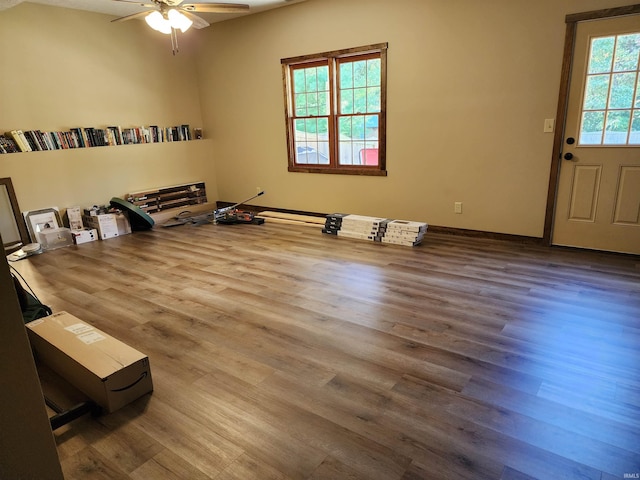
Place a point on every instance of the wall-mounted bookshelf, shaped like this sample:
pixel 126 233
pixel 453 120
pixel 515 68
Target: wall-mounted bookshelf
pixel 17 141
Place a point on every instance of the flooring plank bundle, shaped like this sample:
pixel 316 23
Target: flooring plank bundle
pixel 375 229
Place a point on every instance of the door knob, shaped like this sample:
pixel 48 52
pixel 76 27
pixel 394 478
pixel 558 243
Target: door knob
pixel 571 141
pixel 568 156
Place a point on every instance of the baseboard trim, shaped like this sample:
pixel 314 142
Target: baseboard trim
pixel 432 228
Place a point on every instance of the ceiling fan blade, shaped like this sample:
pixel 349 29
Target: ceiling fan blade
pixel 134 2
pixel 216 7
pixel 131 17
pixel 197 21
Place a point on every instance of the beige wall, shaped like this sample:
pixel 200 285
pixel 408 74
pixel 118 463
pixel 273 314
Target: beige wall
pixel 67 68
pixel 469 86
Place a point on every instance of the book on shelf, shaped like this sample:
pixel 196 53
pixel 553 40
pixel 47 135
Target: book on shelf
pixel 82 137
pixel 115 135
pixel 8 144
pixel 33 142
pixel 20 139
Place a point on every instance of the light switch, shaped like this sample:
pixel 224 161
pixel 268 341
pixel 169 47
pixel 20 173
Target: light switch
pixel 548 125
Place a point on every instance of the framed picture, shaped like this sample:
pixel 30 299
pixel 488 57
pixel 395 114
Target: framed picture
pixel 39 220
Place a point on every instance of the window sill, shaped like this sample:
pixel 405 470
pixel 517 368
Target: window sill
pixel 340 171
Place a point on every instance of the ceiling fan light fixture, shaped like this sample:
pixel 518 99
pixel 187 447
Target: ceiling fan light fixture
pixel 156 21
pixel 178 20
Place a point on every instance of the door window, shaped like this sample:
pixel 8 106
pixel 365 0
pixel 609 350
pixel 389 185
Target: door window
pixel 611 104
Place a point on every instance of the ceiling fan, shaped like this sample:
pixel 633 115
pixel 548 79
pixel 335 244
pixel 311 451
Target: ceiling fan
pixel 168 16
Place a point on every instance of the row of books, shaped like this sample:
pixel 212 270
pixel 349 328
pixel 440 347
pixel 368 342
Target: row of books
pixel 374 229
pixel 37 140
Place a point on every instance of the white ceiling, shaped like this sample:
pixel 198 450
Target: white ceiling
pixel 120 9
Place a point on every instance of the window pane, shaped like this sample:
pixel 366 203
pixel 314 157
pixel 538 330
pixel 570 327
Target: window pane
pixel 592 127
pixel 622 90
pixel 371 125
pixel 358 130
pixel 346 101
pixel 309 153
pixel 345 127
pixel 360 90
pixel 358 140
pixel 360 100
pixel 634 136
pixel 323 103
pixel 360 73
pixel 311 90
pixel 352 127
pixel 323 153
pixel 373 99
pixel 301 105
pixel 298 80
pixel 311 80
pixel 595 97
pixel 345 145
pixel 308 126
pixel 637 102
pixel 627 50
pixel 373 73
pixel 312 104
pixel 601 54
pixel 312 146
pixel 346 153
pixel 298 126
pixel 346 75
pixel 617 127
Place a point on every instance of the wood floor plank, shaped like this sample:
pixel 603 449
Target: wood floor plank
pixel 166 465
pixel 279 353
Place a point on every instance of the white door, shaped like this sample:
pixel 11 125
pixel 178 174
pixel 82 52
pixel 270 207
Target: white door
pixel 598 197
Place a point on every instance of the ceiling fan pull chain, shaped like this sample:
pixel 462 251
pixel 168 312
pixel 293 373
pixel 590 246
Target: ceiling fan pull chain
pixel 174 40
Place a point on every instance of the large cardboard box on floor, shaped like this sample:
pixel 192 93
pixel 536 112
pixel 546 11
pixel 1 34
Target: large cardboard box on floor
pixel 108 371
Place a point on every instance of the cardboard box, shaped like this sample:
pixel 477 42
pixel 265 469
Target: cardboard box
pixel 85 235
pixel 106 224
pixel 109 225
pixel 108 371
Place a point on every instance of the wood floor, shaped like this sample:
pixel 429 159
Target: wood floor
pixel 281 353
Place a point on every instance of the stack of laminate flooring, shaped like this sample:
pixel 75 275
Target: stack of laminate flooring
pixel 375 229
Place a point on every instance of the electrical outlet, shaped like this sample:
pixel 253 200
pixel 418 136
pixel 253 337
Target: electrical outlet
pixel 258 189
pixel 457 207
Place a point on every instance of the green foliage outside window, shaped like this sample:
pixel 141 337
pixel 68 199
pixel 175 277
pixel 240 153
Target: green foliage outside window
pixel 612 81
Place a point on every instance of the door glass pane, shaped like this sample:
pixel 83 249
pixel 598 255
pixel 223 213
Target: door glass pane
pixel 596 92
pixel 612 91
pixel 627 49
pixel 634 136
pixel 601 55
pixel 592 127
pixel 622 90
pixel 617 127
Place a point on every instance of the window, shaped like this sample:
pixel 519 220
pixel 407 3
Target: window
pixel 336 111
pixel 611 106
